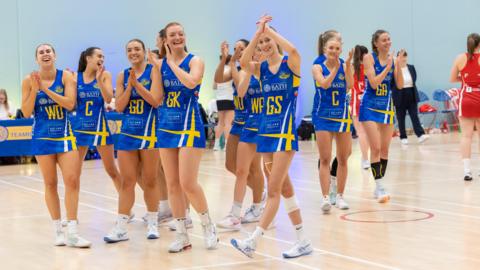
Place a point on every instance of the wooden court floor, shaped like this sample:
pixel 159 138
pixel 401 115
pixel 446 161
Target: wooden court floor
pixel 432 221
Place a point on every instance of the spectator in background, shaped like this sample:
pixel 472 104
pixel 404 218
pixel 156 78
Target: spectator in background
pixel 6 109
pixel 407 100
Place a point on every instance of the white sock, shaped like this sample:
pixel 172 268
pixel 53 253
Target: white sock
pixel 257 206
pixel 163 206
pixel 333 180
pixel 205 218
pixel 57 225
pixel 299 232
pixel 466 165
pixel 152 217
pixel 379 183
pixel 72 227
pixel 236 209
pixel 217 143
pixel 180 225
pixel 257 233
pixel 122 221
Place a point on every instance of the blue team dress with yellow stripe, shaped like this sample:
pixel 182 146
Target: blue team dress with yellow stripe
pixel 277 132
pixel 138 131
pixel 254 104
pixel 90 124
pixel 51 131
pixel 241 113
pixel 377 104
pixel 330 106
pixel 180 124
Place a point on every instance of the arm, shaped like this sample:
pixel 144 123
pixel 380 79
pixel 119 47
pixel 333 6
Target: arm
pixel 324 82
pixel 294 58
pixel 104 80
pixel 192 79
pixel 69 99
pixel 220 71
pixel 374 79
pixel 348 67
pixel 122 96
pixel 246 62
pixel 244 82
pixel 29 94
pixel 455 71
pixel 397 71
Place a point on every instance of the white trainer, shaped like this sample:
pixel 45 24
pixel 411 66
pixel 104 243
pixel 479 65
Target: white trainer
pixel 381 194
pixel 152 231
pixel 188 224
pixel 341 203
pixel 164 216
pixel 59 239
pixel 366 164
pixel 423 138
pixel 181 243
pixel 230 222
pixel 404 141
pixel 210 235
pixel 131 217
pixel 252 214
pixel 246 246
pixel 326 206
pixel 74 240
pixel 301 248
pixel 116 235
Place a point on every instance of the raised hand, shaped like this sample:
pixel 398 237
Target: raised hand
pixel 152 58
pixel 132 79
pixel 401 59
pixel 168 54
pixel 262 22
pixel 224 50
pixel 390 60
pixel 350 56
pixel 35 81
pixel 99 74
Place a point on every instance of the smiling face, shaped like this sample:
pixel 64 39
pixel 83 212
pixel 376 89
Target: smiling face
pixel 175 39
pixel 383 42
pixel 333 49
pixel 45 56
pixel 95 61
pixel 267 46
pixel 240 47
pixel 135 52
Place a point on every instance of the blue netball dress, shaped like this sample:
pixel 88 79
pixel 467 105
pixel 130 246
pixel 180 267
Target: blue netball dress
pixel 277 130
pixel 180 124
pixel 90 125
pixel 330 106
pixel 139 121
pixel 254 103
pixel 377 104
pixel 241 113
pixel 51 131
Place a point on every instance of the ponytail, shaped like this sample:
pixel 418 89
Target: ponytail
pixel 358 54
pixel 473 40
pixel 82 62
pixel 324 37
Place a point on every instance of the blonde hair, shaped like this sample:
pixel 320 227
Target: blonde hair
pixel 4 92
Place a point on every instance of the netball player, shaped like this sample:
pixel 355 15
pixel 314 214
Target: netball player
pixel 376 108
pixel 48 94
pixel 138 93
pixel 331 117
pixel 182 136
pixel 277 138
pixel 248 160
pixel 466 69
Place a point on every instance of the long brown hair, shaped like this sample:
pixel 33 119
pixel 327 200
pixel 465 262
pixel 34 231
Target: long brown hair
pixel 4 92
pixel 358 54
pixel 82 62
pixel 473 40
pixel 375 37
pixel 324 37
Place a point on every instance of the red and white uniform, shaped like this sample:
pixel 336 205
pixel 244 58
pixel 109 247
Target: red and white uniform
pixel 469 101
pixel 357 92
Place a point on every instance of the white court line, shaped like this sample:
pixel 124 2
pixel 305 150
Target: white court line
pixel 35 216
pixel 191 234
pixel 223 264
